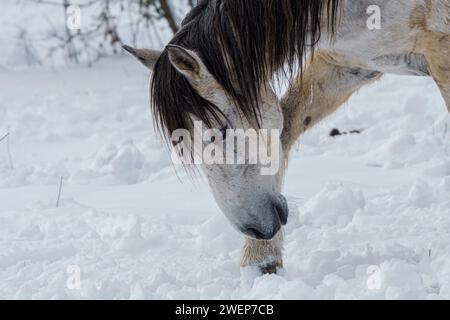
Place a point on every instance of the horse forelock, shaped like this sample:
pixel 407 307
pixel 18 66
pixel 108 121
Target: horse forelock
pixel 242 43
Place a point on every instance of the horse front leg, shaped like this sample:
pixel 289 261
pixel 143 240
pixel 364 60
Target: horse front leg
pixel 266 255
pixel 435 46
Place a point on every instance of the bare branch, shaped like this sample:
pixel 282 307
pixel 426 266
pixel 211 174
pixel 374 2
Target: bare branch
pixel 102 33
pixel 8 149
pixel 168 14
pixel 59 192
pixel 4 137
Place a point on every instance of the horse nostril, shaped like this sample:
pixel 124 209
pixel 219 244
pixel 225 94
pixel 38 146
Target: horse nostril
pixel 282 210
pixel 258 235
pixel 254 233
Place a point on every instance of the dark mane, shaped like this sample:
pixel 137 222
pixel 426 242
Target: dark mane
pixel 258 38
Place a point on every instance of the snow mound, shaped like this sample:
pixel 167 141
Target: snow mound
pixel 334 205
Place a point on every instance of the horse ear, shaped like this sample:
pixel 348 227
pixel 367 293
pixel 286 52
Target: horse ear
pixel 147 57
pixel 185 61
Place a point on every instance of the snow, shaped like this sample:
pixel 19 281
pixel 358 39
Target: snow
pixel 369 213
pixel 136 229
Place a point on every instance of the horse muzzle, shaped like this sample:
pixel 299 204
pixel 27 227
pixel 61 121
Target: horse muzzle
pixel 279 212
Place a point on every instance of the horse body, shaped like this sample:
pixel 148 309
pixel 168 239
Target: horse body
pixel 374 49
pixel 414 39
pixel 386 49
pixel 227 51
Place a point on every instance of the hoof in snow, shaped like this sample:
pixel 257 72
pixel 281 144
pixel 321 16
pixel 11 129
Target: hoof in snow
pixel 271 268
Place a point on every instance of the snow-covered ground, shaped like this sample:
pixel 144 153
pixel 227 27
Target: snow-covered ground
pixel 370 213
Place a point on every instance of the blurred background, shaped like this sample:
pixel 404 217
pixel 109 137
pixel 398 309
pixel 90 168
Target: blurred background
pixel 45 32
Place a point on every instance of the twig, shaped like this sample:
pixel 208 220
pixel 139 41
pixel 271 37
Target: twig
pixel 8 149
pixel 59 191
pixel 4 137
